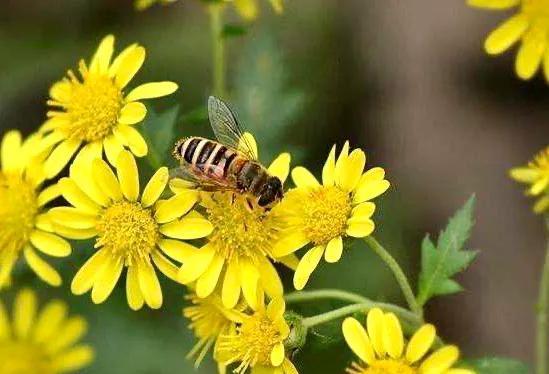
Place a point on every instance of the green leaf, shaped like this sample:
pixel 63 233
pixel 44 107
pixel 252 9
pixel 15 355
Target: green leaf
pixel 440 262
pixel 496 365
pixel 158 130
pixel 231 30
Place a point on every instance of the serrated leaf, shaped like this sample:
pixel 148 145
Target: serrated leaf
pixel 158 133
pixel 441 262
pixel 231 30
pixel 496 365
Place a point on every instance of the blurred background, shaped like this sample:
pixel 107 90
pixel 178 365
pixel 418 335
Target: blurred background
pixel 406 81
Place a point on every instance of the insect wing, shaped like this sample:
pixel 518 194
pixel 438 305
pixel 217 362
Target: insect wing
pixel 226 128
pixel 185 177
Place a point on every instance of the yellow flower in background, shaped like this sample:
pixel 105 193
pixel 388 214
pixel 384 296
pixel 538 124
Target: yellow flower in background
pixel 24 228
pixel 258 342
pixel 238 253
pixel 145 4
pixel 209 320
pixel 381 348
pixel 530 26
pixel 536 174
pixel 131 232
pixel 322 214
pixel 43 342
pixel 94 113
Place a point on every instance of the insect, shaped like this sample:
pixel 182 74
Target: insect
pixel 224 165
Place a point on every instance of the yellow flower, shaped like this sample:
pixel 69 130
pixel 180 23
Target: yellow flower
pixel 131 232
pixel 536 174
pixel 239 249
pixel 94 112
pixel 381 348
pixel 530 25
pixel 24 227
pixel 209 320
pixel 41 343
pixel 258 342
pixel 322 214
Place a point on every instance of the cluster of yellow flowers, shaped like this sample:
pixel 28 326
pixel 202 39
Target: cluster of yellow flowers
pixel 235 289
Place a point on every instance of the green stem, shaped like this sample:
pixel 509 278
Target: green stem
pixel 398 274
pixel 218 49
pixel 541 311
pixel 299 296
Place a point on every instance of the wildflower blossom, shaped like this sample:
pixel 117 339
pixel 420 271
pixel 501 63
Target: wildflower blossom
pixel 536 174
pixel 240 246
pixel 209 320
pixel 24 228
pixel 94 113
pixel 44 342
pixel 131 232
pixel 322 214
pixel 381 348
pixel 529 25
pixel 258 342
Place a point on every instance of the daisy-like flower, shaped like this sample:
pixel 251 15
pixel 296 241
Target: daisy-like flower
pixel 238 253
pixel 209 320
pixel 44 342
pixel 381 348
pixel 258 342
pixel 24 228
pixel 536 174
pixel 132 231
pixel 322 214
pixel 93 112
pixel 530 25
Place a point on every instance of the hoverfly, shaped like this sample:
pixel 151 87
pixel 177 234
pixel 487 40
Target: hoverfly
pixel 228 164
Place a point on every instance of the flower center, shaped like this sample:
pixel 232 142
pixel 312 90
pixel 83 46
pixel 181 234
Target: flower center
pixel 94 107
pixel 536 8
pixel 383 367
pixel 324 213
pixel 240 230
pixel 18 211
pixel 19 358
pixel 128 231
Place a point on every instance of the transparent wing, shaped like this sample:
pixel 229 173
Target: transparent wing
pixel 185 177
pixel 226 128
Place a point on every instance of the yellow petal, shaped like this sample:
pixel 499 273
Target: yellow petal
pixel 81 173
pixel 360 229
pixel 246 8
pixel 149 285
pixel 506 34
pixel 376 327
pixel 49 194
pixel 280 167
pixel 531 52
pixel 128 65
pixel 176 206
pixel 107 279
pixel 358 340
pixel 541 205
pixel 113 147
pixel 102 58
pixel 24 312
pixel 75 196
pixel 155 187
pixel 196 265
pixel 9 149
pixel 60 157
pixel 42 268
pixel 493 4
pixel 126 169
pixel 132 113
pixel 106 180
pixel 371 185
pixel 77 234
pixel 133 291
pixel 420 343
pixel 440 360
pixel 303 178
pixel 177 250
pixel 276 308
pixel 277 355
pixel 187 228
pixel 328 171
pixel 85 277
pixel 289 243
pixel 74 359
pixel 334 249
pixel 525 174
pixel 72 218
pixel 71 331
pixel 393 340
pixel 50 244
pixel 151 90
pixel 270 280
pixel 49 320
pixel 350 169
pixel 205 285
pixel 165 266
pixel 230 292
pixel 307 265
pixel 249 281
pixel 363 210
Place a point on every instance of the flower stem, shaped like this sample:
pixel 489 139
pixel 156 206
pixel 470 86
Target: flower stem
pixel 541 311
pixel 299 296
pixel 398 274
pixel 218 49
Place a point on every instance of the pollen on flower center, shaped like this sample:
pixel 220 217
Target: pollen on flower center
pixel 536 7
pixel 18 358
pixel 17 211
pixel 127 230
pixel 94 107
pixel 257 338
pixel 325 213
pixel 384 367
pixel 238 229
